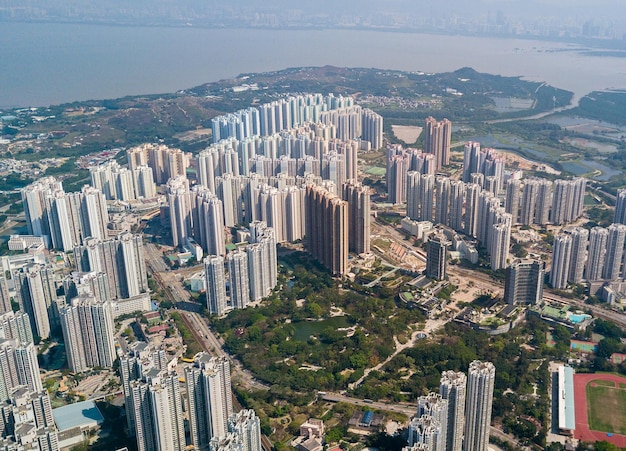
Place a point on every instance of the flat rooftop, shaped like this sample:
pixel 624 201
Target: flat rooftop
pixel 84 414
pixel 567 419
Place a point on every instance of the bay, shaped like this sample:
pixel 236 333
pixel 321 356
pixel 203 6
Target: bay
pixel 45 63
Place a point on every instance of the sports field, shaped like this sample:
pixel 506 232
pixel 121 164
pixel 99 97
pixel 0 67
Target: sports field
pixel 375 170
pixel 600 403
pixel 607 407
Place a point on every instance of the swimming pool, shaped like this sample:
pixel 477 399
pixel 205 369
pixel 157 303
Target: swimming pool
pixel 578 317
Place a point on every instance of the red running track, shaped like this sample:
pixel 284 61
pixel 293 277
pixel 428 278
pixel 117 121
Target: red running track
pixel 580 402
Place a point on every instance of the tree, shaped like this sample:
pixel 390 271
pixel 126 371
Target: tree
pixel 385 442
pixel 561 335
pixel 604 446
pixel 519 251
pixel 607 346
pixel 358 360
pixel 607 329
pixel 335 434
pixel 314 309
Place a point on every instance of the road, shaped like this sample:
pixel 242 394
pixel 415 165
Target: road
pixel 407 409
pixel 170 283
pixel 213 345
pixel 597 310
pixel 378 279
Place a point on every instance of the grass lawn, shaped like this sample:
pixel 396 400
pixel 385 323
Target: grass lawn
pixel 383 244
pixel 375 170
pixel 606 408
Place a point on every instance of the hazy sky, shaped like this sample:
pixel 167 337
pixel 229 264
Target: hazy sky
pixel 615 9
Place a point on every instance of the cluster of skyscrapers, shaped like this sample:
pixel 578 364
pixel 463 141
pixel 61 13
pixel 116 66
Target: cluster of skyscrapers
pixel 35 291
pixel 542 202
pixel 165 162
pixel 250 270
pixel 459 416
pixel 437 137
pixel 108 268
pixel 337 223
pixel 84 314
pixel 593 255
pixel 284 114
pixel 65 220
pixel 154 403
pixel 474 204
pixel 26 421
pixel 327 228
pixel 25 410
pixel 121 259
pixel 261 167
pixel 464 207
pixel 125 184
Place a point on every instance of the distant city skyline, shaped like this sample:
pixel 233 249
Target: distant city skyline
pixel 496 10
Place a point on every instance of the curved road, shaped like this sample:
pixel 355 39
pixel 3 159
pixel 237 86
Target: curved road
pixel 404 408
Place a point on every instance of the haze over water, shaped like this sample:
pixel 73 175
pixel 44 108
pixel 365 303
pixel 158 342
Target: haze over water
pixel 44 64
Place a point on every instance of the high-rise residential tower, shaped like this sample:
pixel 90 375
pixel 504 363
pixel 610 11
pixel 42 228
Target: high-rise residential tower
pixel 157 411
pixel 237 262
pixel 398 166
pixel 121 259
pixel 215 284
pixel 18 366
pixel 512 200
pixel 437 136
pixel 179 203
pixel 36 295
pixel 614 251
pixel 452 388
pixel 35 208
pixel 480 385
pixel 93 213
pixel 327 229
pixel 580 239
pixel 358 197
pixel 208 221
pixel 210 398
pixel 568 200
pixel 247 428
pixel 561 260
pixel 262 263
pixel 594 267
pixel 620 206
pixel 88 333
pixel 471 160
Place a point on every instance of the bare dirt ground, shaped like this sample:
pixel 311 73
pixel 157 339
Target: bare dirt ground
pixel 407 133
pixel 524 164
